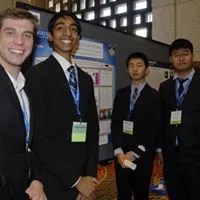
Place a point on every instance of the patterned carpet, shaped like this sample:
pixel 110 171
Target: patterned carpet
pixel 106 190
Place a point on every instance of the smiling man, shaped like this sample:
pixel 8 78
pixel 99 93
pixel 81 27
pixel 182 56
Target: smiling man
pixel 66 123
pixel 18 177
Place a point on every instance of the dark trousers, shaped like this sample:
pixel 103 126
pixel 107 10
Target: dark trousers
pixel 12 190
pixel 134 183
pixel 182 181
pixel 6 194
pixel 55 191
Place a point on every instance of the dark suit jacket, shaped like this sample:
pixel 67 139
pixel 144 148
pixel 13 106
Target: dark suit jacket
pixel 188 133
pixel 14 160
pixel 146 118
pixel 55 112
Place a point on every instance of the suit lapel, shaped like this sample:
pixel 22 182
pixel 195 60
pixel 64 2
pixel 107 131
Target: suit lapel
pixel 59 75
pixel 143 96
pixel 127 97
pixel 126 101
pixel 193 87
pixel 82 89
pixel 11 92
pixel 170 93
pixel 31 114
pixel 10 89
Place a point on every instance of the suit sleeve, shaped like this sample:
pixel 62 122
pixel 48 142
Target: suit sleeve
pixel 116 123
pixel 93 134
pixel 160 138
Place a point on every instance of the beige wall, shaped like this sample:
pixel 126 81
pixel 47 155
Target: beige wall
pixel 177 18
pixel 11 3
pixel 6 4
pixel 38 3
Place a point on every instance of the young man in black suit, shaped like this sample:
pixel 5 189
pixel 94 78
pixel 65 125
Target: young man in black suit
pixel 181 124
pixel 19 174
pixel 66 123
pixel 135 128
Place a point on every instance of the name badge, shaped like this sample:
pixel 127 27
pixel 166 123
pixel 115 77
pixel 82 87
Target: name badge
pixel 176 117
pixel 128 127
pixel 79 131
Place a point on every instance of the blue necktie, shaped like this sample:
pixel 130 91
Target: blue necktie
pixel 180 96
pixel 134 97
pixel 135 94
pixel 73 82
pixel 181 88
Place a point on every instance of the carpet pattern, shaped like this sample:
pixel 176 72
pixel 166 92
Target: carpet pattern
pixel 106 190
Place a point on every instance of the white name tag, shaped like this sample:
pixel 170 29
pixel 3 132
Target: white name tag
pixel 79 131
pixel 128 127
pixel 176 117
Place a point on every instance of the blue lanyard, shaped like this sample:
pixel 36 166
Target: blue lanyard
pixel 77 100
pixel 132 103
pixel 179 98
pixel 26 120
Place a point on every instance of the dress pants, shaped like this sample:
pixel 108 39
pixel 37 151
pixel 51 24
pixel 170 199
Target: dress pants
pixel 182 181
pixel 134 183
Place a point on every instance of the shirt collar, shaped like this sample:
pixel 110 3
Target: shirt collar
pixel 139 86
pixel 65 64
pixel 19 82
pixel 189 76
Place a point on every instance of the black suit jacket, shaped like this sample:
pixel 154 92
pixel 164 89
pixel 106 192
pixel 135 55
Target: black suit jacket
pixel 55 112
pixel 188 132
pixel 14 160
pixel 146 118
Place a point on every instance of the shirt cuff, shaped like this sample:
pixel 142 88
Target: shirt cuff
pixel 76 182
pixel 158 150
pixel 135 154
pixel 118 151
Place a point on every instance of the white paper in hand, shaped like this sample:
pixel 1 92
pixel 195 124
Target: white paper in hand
pixel 130 164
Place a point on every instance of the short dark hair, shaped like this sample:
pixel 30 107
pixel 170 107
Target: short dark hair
pixel 180 43
pixel 18 13
pixel 63 14
pixel 138 55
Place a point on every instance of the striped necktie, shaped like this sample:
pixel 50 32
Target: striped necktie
pixel 181 88
pixel 180 93
pixel 73 81
pixel 135 94
pixel 133 99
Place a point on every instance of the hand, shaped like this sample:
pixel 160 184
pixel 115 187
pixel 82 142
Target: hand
pixel 35 191
pixel 159 158
pixel 129 156
pixel 86 187
pixel 120 159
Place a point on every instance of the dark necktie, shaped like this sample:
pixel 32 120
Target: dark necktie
pixel 181 88
pixel 135 94
pixel 73 81
pixel 134 97
pixel 132 101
